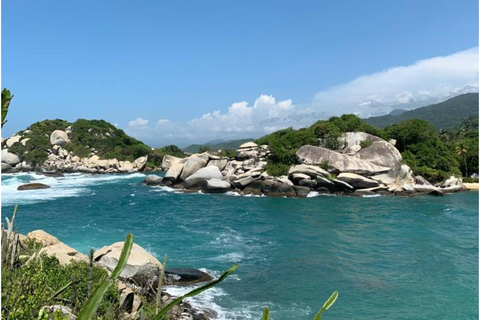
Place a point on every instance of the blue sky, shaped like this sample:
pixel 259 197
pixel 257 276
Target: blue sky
pixel 193 71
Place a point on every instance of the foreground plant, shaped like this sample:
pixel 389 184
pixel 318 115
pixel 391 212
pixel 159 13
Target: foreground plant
pixel 318 316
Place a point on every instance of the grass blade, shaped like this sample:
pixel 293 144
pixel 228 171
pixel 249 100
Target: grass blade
pixel 127 248
pixel 95 300
pixel 266 314
pixel 194 292
pixel 327 305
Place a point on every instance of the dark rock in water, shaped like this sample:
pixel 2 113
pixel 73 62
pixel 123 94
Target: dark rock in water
pixel 33 186
pixel 270 188
pixel 153 180
pixel 184 277
pixel 301 191
pixel 53 174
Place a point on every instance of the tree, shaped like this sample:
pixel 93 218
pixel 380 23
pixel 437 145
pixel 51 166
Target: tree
pixel 462 151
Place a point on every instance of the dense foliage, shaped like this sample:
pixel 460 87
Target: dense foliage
pixel 32 286
pixel 433 154
pixel 156 155
pixel 441 115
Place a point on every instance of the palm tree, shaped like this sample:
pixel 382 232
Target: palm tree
pixel 462 151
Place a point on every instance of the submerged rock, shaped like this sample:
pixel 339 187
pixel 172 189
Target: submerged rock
pixel 185 277
pixel 153 180
pixel 33 186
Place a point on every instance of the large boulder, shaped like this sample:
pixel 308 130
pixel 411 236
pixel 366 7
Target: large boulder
pixel 309 170
pixel 173 173
pixel 350 139
pixel 452 181
pixel 185 277
pixel 338 162
pixel 216 186
pixel 12 140
pixel 247 150
pixel 357 181
pixel 125 166
pixel 9 158
pixel 141 266
pixel 153 180
pixel 168 161
pixel 54 247
pixel 140 163
pixel 383 154
pixel 220 163
pixel 59 137
pixel 428 189
pixel 191 165
pixel 203 174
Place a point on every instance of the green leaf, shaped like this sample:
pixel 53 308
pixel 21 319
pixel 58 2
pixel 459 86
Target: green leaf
pixel 6 97
pixel 95 300
pixel 266 314
pixel 127 248
pixel 194 292
pixel 327 305
pixel 330 301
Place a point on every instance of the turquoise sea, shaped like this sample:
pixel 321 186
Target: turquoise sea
pixel 389 257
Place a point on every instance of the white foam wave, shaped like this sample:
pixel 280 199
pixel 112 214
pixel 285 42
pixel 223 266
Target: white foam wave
pixel 71 185
pixel 230 257
pixel 371 195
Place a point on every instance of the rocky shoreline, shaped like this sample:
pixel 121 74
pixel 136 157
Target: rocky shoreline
pixel 364 165
pixel 353 170
pixel 138 281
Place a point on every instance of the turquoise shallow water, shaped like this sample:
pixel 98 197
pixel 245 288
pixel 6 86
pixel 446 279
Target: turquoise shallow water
pixel 389 257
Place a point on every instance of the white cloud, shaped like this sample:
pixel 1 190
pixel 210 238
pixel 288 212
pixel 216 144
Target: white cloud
pixel 162 121
pixel 138 122
pixel 425 81
pixel 422 83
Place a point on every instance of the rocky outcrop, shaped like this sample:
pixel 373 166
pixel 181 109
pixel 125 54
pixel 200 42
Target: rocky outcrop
pixel 173 174
pixel 350 139
pixel 12 140
pixel 9 158
pixel 202 175
pixel 153 180
pixel 192 165
pixel 357 181
pixel 168 161
pixel 270 188
pixel 59 137
pixel 32 186
pixel 141 266
pixel 53 247
pixel 383 154
pixel 337 162
pixel 216 186
pixel 185 277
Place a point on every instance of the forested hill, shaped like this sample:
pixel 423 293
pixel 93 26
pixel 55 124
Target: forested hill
pixel 441 115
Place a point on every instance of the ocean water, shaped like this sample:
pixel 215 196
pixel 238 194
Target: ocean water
pixel 389 257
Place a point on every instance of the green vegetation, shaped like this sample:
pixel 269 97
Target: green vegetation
pixel 285 143
pixel 108 141
pixel 6 98
pixel 433 154
pixel 365 143
pixel 441 115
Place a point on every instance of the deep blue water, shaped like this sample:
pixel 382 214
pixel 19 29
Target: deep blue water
pixel 389 257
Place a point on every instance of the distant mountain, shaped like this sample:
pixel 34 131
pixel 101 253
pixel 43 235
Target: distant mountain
pixel 397 112
pixel 441 115
pixel 216 145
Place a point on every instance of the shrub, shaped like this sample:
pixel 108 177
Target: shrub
pixel 277 169
pixel 32 286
